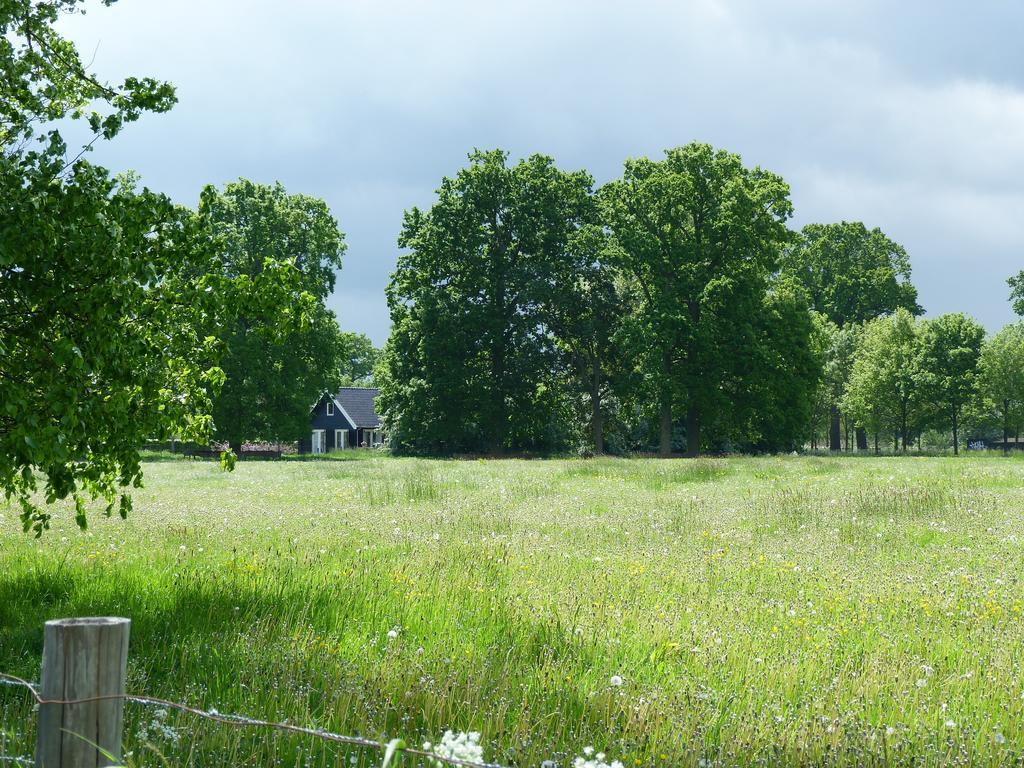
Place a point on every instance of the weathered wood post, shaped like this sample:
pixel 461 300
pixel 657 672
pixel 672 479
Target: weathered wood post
pixel 82 659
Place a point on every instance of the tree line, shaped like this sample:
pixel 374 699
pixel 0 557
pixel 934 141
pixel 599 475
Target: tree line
pixel 673 310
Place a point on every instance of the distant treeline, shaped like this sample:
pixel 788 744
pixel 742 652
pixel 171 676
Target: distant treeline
pixel 669 310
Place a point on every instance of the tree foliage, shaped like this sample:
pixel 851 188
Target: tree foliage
pixel 852 274
pixel 1016 284
pixel 699 233
pixel 278 356
pixel 471 364
pixel 98 348
pixel 885 392
pixel 1001 376
pixel 950 347
pixel 359 358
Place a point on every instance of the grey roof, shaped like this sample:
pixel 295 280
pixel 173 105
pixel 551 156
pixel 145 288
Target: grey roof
pixel 357 402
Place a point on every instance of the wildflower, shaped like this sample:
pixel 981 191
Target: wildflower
pixel 392 634
pixel 616 681
pixel 460 746
pixel 590 760
pixel 951 723
pixel 998 738
pixel 921 682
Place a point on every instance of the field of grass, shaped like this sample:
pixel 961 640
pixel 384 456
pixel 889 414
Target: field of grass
pixel 757 610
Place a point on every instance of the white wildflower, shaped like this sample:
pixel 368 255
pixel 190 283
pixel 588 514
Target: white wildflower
pixel 460 746
pixel 951 723
pixel 591 760
pixel 392 634
pixel 616 681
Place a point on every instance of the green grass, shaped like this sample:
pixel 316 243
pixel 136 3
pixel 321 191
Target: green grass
pixel 774 610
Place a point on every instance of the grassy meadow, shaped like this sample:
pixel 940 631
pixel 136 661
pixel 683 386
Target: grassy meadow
pixel 777 610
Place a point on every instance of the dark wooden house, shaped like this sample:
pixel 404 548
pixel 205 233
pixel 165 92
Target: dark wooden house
pixel 345 420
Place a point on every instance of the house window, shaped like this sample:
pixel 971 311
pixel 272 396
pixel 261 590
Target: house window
pixel 330 408
pixel 341 438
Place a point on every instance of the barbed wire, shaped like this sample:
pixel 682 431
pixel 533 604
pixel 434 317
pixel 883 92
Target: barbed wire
pixel 238 720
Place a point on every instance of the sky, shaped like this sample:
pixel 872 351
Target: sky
pixel 907 116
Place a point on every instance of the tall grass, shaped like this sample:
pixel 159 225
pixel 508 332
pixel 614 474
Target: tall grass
pixel 762 610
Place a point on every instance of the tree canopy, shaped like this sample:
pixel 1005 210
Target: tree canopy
pixel 98 348
pixel 700 234
pixel 950 349
pixel 278 357
pixel 852 274
pixel 470 364
pixel 359 358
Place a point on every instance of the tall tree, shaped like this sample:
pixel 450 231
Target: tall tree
pixel 950 346
pixel 852 275
pixel 885 391
pixel 776 393
pixel 359 359
pixel 279 358
pixel 838 350
pixel 700 234
pixel 1001 376
pixel 470 362
pixel 98 349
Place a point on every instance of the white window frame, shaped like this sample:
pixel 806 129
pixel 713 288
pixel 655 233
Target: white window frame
pixel 343 434
pixel 330 407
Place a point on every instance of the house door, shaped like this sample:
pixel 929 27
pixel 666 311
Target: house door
pixel 341 439
pixel 319 441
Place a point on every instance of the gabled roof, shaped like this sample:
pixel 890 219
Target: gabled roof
pixel 357 403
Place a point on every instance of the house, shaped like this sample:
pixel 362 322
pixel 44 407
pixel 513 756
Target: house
pixel 347 419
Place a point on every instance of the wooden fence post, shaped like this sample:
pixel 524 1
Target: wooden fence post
pixel 82 659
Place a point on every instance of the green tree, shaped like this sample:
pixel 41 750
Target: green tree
pixel 98 342
pixel 852 275
pixel 950 346
pixel 700 234
pixel 1001 376
pixel 583 310
pixel 471 363
pixel 837 346
pixel 782 376
pixel 359 359
pixel 1016 284
pixel 885 393
pixel 279 357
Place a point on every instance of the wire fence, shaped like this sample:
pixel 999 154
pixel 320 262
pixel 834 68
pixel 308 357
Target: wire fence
pixel 393 747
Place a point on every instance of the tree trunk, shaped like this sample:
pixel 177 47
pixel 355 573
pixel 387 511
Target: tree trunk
pixel 693 431
pixel 665 444
pixel 596 417
pixel 235 446
pixel 877 451
pixel 834 432
pixel 956 435
pixel 862 439
pixel 1006 427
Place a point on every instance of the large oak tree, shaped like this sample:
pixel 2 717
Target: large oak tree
pixel 700 234
pixel 471 364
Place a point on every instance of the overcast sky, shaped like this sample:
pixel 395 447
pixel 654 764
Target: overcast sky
pixel 908 116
